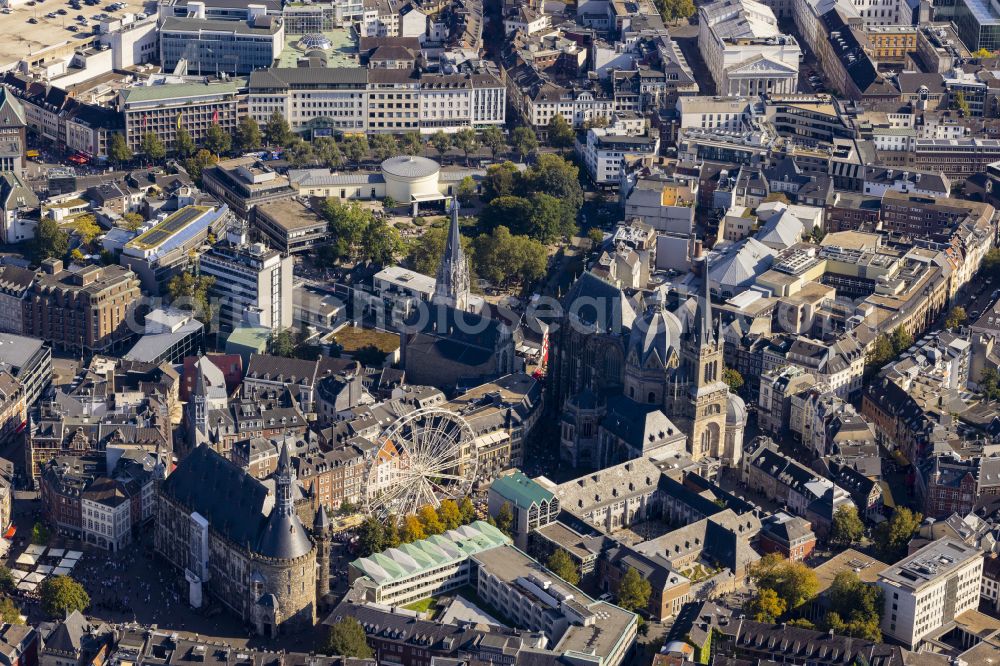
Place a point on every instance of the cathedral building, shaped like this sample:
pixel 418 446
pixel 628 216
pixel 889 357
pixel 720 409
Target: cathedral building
pixel 637 380
pixel 453 340
pixel 243 546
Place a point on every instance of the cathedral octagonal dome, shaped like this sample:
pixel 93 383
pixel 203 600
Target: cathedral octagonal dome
pixel 658 330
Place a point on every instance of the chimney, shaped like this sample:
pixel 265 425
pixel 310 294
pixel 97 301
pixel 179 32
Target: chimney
pixel 696 254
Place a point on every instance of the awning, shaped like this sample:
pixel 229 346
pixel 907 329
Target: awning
pixel 11 531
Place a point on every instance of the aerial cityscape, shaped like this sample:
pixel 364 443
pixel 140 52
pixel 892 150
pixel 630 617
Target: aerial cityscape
pixel 499 333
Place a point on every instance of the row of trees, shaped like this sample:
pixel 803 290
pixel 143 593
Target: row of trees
pixel 375 536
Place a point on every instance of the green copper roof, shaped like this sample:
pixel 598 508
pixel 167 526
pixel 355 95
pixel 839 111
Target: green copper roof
pixel 412 559
pixel 520 490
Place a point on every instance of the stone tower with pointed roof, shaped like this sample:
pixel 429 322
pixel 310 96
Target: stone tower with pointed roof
pixel 705 400
pixel 452 285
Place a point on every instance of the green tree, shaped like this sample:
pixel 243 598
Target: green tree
pixel 85 227
pixel 371 537
pixel 855 607
pixel 509 211
pixel 217 140
pixel 962 104
pixel 9 612
pixel 391 537
pixel 183 144
pixel 501 181
pixel 355 148
pixel 152 147
pixel 562 565
pixel 558 177
pixel 847 526
pixel 441 142
pixel 283 344
pixel 982 53
pixel 189 291
pixel 449 514
pixel 633 591
pixel 118 152
pixel 550 218
pixel 380 243
pixel 61 595
pixel 384 146
pixel 50 242
pixel 199 162
pixel 248 136
pixel 524 141
pixel 276 130
pixel 503 258
pixel 991 264
pixel 901 340
pixel 801 623
pixel 40 534
pixel 348 223
pixel 956 317
pixel 892 536
pixel 6 580
pixel 132 221
pixel 466 141
pixel 505 518
pixel 300 153
pixel 467 510
pixel 328 152
pixel 766 606
pixel 882 351
pixel 425 254
pixel 413 530
pixel 411 143
pixel 732 378
pixel 429 520
pixel 492 137
pixel 346 638
pixel 596 237
pixel 794 582
pixel 989 384
pixel 560 133
pixel 466 192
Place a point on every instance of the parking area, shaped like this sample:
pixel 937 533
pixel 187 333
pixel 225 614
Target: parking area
pixel 34 25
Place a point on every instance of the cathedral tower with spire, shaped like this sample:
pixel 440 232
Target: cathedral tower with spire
pixel 707 394
pixel 452 285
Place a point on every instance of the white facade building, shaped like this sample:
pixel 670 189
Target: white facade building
pixel 937 583
pixel 745 51
pixel 252 282
pixel 106 514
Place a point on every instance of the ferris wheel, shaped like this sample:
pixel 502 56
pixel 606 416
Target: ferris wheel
pixel 422 458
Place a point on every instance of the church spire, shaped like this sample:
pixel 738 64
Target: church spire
pixel 284 477
pixel 705 332
pixel 452 285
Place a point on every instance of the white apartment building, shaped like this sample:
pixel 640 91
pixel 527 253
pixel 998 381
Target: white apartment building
pixel 702 111
pixel 575 106
pixel 106 515
pixel 929 588
pixel 376 100
pixel 745 51
pixel 607 147
pixel 253 284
